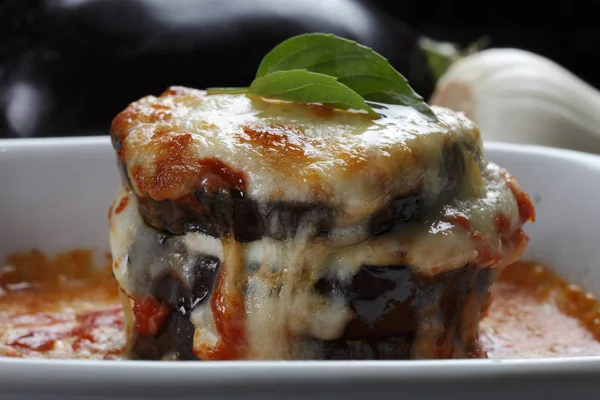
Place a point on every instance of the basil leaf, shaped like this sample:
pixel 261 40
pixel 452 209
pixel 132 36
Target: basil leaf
pixel 360 68
pixel 378 89
pixel 309 87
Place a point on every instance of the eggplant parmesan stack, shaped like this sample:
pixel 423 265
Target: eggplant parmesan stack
pixel 249 228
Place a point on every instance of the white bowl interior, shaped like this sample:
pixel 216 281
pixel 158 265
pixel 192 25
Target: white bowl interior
pixel 564 186
pixel 56 194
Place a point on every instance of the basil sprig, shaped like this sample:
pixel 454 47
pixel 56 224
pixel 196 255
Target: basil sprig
pixel 327 69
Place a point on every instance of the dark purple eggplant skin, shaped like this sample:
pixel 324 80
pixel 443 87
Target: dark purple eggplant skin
pixel 388 306
pixel 68 67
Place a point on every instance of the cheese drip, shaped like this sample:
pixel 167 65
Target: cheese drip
pixel 271 284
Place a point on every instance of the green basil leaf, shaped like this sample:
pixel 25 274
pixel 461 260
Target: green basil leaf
pixel 309 87
pixel 360 68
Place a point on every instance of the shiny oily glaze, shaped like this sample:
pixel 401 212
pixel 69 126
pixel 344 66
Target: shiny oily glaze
pixel 61 307
pixel 65 306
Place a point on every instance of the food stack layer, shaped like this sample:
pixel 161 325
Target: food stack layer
pixel 249 228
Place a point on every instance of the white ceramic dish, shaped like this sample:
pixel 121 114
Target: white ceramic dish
pixel 55 194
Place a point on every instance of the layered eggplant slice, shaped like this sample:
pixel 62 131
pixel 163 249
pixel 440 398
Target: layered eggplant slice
pixel 249 228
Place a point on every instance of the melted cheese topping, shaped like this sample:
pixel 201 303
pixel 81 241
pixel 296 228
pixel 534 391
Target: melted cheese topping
pixel 285 151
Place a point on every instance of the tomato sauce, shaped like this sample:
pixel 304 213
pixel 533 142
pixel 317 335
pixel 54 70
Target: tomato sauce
pixel 149 315
pixel 61 307
pixel 67 306
pixel 228 309
pixel 535 313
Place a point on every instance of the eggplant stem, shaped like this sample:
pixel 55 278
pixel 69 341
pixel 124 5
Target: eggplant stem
pixel 441 55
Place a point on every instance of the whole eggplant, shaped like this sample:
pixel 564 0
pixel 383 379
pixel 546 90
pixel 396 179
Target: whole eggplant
pixel 67 67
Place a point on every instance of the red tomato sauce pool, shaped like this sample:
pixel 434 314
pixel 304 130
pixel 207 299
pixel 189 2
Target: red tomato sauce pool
pixel 68 307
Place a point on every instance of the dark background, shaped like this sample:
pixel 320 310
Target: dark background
pixel 68 66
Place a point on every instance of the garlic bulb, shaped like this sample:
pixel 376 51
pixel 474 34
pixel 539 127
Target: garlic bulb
pixel 521 97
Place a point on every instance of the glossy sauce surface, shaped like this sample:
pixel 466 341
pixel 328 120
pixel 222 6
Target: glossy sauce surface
pixel 59 307
pixel 62 307
pixel 535 313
